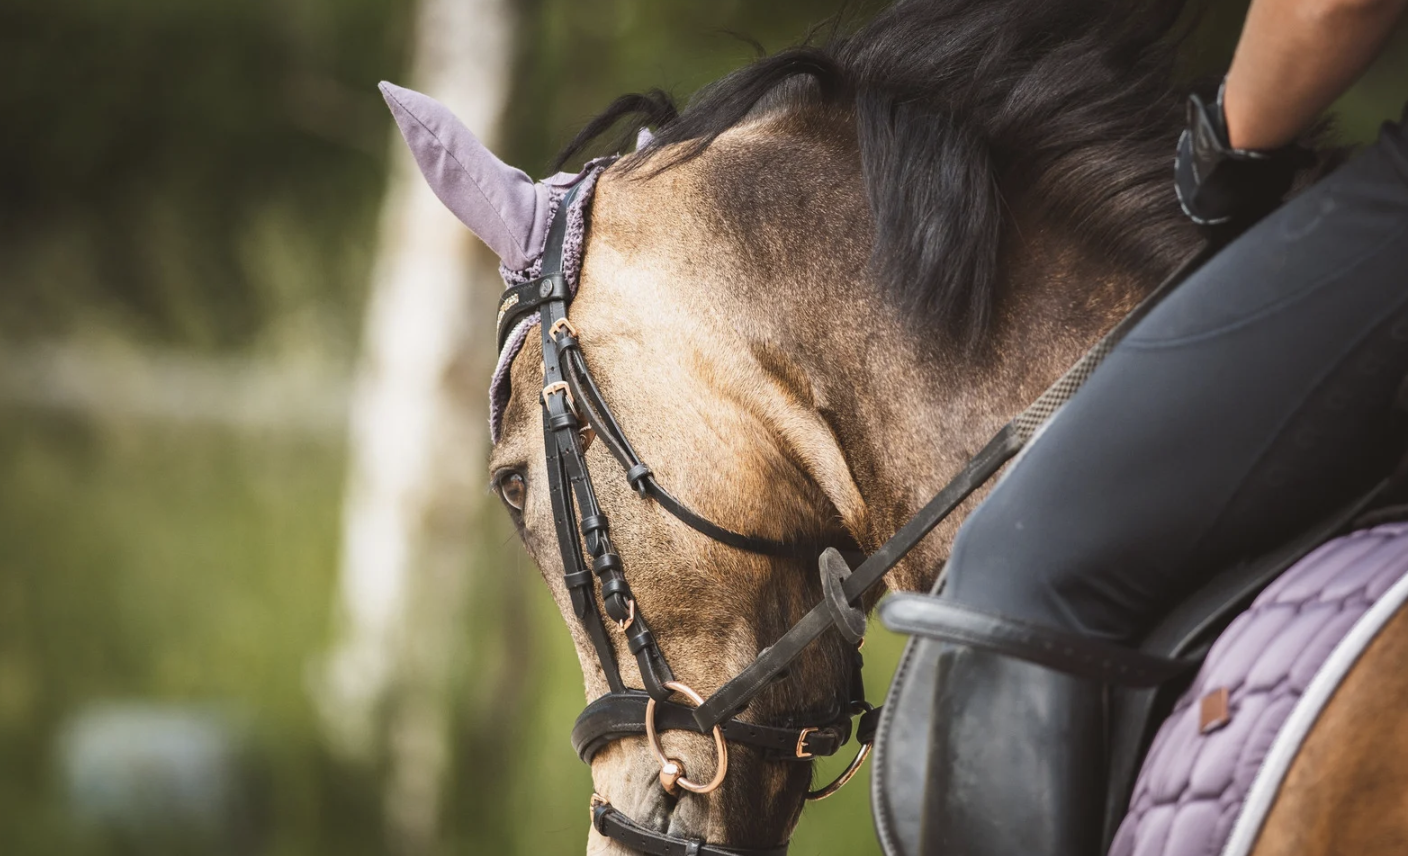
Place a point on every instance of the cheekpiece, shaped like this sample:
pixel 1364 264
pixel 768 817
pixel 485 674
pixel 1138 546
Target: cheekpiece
pixel 511 341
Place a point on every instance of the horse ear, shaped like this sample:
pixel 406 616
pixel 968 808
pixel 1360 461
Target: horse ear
pixel 498 203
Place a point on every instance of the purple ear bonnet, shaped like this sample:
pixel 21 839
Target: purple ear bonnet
pixel 498 203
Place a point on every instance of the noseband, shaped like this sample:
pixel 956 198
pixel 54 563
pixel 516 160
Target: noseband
pixel 573 413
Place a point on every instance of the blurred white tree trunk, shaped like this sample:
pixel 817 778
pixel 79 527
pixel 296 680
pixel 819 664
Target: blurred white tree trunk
pixel 418 426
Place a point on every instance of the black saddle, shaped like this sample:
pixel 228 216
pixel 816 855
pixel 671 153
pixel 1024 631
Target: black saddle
pixel 1136 707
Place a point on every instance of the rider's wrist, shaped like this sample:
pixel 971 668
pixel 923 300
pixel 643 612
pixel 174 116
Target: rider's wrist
pixel 1244 134
pixel 1237 130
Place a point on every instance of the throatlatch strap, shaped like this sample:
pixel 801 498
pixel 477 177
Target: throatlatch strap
pixel 616 826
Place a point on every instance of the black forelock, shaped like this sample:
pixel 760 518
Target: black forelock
pixel 959 104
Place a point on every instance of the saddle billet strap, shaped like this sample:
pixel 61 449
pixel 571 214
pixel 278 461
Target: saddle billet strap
pixel 942 619
pixel 615 825
pixel 618 715
pixel 1007 442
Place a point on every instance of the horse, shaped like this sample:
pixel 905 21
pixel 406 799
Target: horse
pixel 808 300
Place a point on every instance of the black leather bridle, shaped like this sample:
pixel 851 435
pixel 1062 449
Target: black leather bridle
pixel 572 408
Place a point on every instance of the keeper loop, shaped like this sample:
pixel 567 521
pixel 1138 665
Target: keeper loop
pixel 619 587
pixel 564 420
pixel 640 640
pixel 636 476
pixel 607 562
pixel 849 620
pixel 577 579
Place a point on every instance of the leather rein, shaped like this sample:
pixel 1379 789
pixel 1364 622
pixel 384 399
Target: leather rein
pixel 574 413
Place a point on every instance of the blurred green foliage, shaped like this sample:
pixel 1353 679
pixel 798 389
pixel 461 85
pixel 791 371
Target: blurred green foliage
pixel 158 153
pixel 144 562
pixel 207 177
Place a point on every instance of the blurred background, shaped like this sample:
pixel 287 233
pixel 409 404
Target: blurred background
pixel 254 595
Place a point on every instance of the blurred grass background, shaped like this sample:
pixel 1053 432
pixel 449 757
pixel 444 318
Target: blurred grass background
pixel 198 185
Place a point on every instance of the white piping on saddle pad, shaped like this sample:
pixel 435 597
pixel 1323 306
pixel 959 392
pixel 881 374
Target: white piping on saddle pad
pixel 1303 716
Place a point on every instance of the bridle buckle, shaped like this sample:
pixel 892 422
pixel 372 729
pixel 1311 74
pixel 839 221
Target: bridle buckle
pixel 562 324
pixel 562 387
pixel 625 623
pixel 802 753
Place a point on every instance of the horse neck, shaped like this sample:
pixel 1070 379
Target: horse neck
pixel 780 224
pixel 909 408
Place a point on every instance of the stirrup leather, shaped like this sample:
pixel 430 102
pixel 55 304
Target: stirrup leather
pixel 942 619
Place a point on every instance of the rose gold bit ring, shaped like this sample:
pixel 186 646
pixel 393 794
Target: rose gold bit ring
pixel 672 775
pixel 840 781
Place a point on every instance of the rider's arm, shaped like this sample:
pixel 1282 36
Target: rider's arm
pixel 1294 59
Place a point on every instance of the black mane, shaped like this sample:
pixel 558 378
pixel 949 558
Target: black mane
pixel 960 105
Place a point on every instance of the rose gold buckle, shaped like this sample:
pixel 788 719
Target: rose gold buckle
pixel 803 754
pixel 562 324
pixel 625 623
pixel 562 387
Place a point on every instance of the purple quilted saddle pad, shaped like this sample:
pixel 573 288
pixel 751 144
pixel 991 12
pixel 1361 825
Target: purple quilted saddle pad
pixel 1213 770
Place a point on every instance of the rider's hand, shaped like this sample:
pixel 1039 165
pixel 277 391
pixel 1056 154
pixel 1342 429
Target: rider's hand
pixel 1217 183
pixel 1293 59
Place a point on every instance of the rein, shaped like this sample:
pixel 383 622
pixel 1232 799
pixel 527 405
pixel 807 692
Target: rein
pixel 574 413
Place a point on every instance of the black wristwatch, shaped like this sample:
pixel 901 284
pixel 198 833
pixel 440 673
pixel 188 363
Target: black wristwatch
pixel 1218 184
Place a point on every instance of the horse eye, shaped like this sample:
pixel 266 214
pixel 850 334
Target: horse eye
pixel 512 489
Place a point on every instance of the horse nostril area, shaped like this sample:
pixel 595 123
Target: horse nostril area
pixel 659 813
